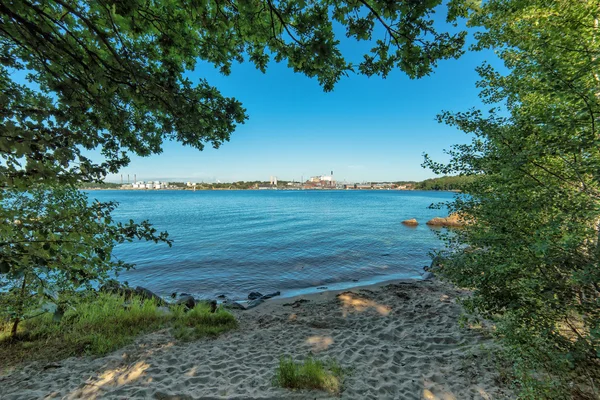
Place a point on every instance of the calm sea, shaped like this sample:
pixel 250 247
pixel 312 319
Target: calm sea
pixel 234 242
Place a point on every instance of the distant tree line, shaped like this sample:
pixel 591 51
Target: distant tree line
pixel 444 183
pixel 98 185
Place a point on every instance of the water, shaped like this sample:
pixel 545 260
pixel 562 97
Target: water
pixel 234 242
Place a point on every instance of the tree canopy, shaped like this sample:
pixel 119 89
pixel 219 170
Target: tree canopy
pixel 110 75
pixel 532 256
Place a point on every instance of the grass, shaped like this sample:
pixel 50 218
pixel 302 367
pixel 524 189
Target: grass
pixel 200 322
pixel 105 323
pixel 309 374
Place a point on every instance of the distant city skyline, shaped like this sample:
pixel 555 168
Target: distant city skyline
pixel 117 179
pixel 367 129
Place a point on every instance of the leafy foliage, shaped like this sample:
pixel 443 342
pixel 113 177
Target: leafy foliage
pixel 111 75
pixel 444 183
pixel 532 257
pixel 54 241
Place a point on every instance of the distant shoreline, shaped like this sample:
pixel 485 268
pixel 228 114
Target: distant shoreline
pixel 265 190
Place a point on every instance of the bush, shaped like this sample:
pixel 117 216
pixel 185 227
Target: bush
pixel 310 374
pixel 100 323
pixel 200 322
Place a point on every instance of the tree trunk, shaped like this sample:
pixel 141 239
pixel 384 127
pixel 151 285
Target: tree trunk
pixel 13 332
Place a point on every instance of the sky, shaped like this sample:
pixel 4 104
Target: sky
pixel 367 129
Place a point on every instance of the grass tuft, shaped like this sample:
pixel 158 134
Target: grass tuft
pixel 104 323
pixel 309 374
pixel 200 322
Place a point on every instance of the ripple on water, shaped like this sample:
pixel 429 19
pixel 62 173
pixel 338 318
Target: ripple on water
pixel 233 242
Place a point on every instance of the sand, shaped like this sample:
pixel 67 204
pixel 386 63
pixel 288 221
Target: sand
pixel 398 340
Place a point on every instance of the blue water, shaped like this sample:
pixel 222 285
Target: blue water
pixel 234 242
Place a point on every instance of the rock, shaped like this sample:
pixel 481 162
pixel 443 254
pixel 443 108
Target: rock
pixel 322 288
pixel 427 276
pixel 410 222
pixel 184 294
pixel 188 301
pixel 254 295
pixel 146 294
pixel 110 286
pixel 221 296
pixel 233 305
pixel 115 287
pixel 270 295
pixel 254 303
pixel 452 221
pixel 173 295
pixel 213 306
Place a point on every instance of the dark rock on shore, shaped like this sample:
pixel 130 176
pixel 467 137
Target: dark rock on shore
pixel 270 295
pixel 233 305
pixel 188 301
pixel 254 295
pixel 146 294
pixel 427 276
pixel 127 292
pixel 115 287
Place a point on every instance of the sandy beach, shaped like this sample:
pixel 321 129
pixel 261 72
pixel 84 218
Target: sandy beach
pixel 397 340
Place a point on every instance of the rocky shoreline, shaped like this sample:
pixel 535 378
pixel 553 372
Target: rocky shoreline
pixel 186 299
pixel 254 298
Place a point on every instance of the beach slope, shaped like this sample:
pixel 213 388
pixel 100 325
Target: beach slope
pixel 398 340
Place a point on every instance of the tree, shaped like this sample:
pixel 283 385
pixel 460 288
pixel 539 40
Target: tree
pixel 54 243
pixel 110 75
pixel 532 257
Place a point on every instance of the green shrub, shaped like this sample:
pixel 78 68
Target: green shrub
pixel 200 322
pixel 102 323
pixel 309 374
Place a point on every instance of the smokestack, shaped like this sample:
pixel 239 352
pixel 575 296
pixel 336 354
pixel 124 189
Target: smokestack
pixel 134 178
pixel 128 179
pixel 121 179
pixel 331 173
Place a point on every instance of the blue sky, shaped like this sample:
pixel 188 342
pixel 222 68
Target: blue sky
pixel 367 129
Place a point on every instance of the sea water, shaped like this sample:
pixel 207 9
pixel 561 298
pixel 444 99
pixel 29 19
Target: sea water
pixel 234 242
